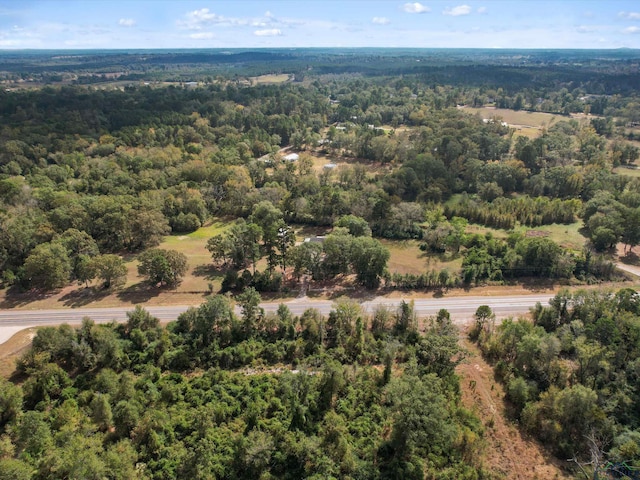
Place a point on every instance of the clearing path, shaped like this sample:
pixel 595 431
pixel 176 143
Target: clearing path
pixel 508 452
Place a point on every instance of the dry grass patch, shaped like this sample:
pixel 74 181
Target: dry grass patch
pixel 567 236
pixel 507 453
pixel 11 350
pixel 519 117
pixel 628 171
pixel 406 257
pixel 270 79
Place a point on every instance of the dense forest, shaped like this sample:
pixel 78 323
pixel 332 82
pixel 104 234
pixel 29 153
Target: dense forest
pixel 106 155
pixel 207 397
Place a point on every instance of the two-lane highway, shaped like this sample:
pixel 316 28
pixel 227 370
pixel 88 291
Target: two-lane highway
pixel 460 308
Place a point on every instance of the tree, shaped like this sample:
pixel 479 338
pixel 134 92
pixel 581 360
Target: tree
pixel 101 411
pixel 337 253
pixel 141 319
pixel 270 220
pixel 306 259
pixel 422 422
pixel 80 247
pixel 163 267
pixel 111 269
pixel 84 269
pixel 631 227
pixel 239 246
pixel 147 226
pixel 249 301
pixel 47 267
pixel 286 240
pixel 369 259
pixel 10 402
pixel 356 226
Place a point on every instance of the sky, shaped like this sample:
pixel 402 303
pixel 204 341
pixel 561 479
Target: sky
pixel 128 24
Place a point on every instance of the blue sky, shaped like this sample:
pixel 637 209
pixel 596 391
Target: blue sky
pixel 309 23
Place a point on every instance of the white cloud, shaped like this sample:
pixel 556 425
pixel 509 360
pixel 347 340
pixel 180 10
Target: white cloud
pixel 585 29
pixel 630 15
pixel 126 22
pixel 633 29
pixel 457 11
pixel 482 10
pixel 381 20
pixel 197 19
pixel 269 32
pixel 415 8
pixel 202 35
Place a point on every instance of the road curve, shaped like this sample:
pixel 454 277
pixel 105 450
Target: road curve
pixel 460 308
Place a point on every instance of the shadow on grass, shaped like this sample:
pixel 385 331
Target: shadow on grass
pixel 84 296
pixel 139 293
pixel 16 297
pixel 208 272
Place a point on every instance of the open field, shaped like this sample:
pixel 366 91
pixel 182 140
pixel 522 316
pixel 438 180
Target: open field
pixel 270 79
pixel 406 257
pixel 322 159
pixel 629 171
pixel 519 117
pixel 526 124
pixel 567 236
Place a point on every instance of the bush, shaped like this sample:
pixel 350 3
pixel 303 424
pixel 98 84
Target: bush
pixel 188 222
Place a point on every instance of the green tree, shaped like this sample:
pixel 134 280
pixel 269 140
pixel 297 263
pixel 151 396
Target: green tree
pixel 270 220
pixel 10 402
pixel 162 267
pixel 369 259
pixel 306 259
pixel 422 422
pixel 101 411
pixel 111 269
pixel 11 469
pixel 47 267
pixel 141 319
pixel 146 228
pixel 252 313
pixel 356 226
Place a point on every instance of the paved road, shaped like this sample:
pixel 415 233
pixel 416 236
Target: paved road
pixel 460 308
pixel 633 269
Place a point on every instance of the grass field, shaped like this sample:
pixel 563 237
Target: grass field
pixel 270 79
pixel 513 117
pixel 406 257
pixel 526 124
pixel 630 172
pixel 567 236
